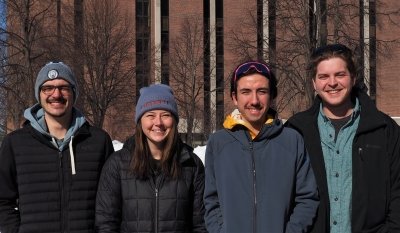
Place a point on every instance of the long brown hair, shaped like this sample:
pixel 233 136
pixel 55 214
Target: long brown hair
pixel 141 154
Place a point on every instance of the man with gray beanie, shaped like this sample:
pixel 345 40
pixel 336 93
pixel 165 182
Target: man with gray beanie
pixel 50 167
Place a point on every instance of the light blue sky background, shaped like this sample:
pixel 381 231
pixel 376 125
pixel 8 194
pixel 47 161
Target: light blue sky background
pixel 2 51
pixel 2 14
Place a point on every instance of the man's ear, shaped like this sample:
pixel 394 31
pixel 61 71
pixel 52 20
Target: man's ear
pixel 234 97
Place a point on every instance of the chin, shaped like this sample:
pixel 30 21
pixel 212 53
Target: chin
pixel 58 114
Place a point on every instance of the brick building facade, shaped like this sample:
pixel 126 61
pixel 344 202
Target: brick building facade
pixel 236 30
pixel 371 34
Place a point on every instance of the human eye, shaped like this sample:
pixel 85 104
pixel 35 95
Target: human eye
pixel 48 89
pixel 66 89
pixel 166 115
pixel 245 92
pixel 263 91
pixel 322 77
pixel 341 74
pixel 149 115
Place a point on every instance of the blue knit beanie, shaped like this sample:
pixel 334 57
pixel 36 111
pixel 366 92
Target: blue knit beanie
pixel 55 70
pixel 156 96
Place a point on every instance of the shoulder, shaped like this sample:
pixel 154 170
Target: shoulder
pixel 17 132
pixel 300 118
pixel 222 136
pixel 373 117
pixel 122 155
pixel 219 140
pixel 18 135
pixel 188 150
pixel 96 130
pixel 391 125
pixel 290 132
pixel 388 120
pixel 289 137
pixel 117 160
pixel 220 133
pixel 94 135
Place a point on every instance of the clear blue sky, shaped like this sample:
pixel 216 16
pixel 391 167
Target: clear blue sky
pixel 2 14
pixel 2 25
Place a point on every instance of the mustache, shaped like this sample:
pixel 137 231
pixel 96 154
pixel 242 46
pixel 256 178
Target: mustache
pixel 256 105
pixel 56 100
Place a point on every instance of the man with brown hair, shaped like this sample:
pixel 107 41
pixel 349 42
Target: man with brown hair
pixel 354 149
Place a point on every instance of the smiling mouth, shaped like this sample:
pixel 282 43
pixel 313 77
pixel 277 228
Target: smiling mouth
pixel 56 104
pixel 333 91
pixel 254 110
pixel 159 131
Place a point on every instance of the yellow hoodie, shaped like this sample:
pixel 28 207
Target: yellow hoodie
pixel 235 118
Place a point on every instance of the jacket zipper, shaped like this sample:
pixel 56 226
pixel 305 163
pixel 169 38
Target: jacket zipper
pixel 62 196
pixel 254 189
pixel 156 212
pixel 157 184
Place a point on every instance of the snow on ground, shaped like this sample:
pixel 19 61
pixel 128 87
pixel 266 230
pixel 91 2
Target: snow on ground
pixel 199 151
pixel 117 145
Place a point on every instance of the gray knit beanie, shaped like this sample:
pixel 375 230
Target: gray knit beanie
pixel 156 96
pixel 55 70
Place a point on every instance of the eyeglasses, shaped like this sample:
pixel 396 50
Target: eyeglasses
pixel 244 68
pixel 49 89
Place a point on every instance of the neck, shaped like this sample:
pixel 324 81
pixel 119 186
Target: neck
pixel 58 126
pixel 338 112
pixel 156 150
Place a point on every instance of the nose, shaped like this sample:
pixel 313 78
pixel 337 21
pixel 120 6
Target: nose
pixel 254 98
pixel 157 120
pixel 57 92
pixel 332 81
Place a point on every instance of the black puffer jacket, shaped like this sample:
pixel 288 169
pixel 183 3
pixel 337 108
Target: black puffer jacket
pixel 127 204
pixel 37 176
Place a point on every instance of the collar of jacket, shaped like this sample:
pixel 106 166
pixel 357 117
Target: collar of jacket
pixel 268 131
pixel 235 120
pixel 370 117
pixel 82 131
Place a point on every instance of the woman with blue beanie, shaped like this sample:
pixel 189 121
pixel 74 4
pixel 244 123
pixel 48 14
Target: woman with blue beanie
pixel 156 185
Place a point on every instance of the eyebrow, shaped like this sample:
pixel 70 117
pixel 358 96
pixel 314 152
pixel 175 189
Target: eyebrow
pixel 258 89
pixel 338 72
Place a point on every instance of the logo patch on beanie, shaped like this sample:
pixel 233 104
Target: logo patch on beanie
pixel 154 102
pixel 52 74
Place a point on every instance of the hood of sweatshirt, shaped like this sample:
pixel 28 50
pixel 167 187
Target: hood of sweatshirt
pixel 35 116
pixel 235 119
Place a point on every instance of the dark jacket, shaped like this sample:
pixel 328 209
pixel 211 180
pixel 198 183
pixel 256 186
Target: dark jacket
pixel 36 178
pixel 126 203
pixel 376 169
pixel 263 185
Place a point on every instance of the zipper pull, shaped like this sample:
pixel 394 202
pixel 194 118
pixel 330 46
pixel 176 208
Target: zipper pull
pixel 360 153
pixel 60 158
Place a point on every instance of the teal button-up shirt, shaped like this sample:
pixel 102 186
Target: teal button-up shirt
pixel 338 166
